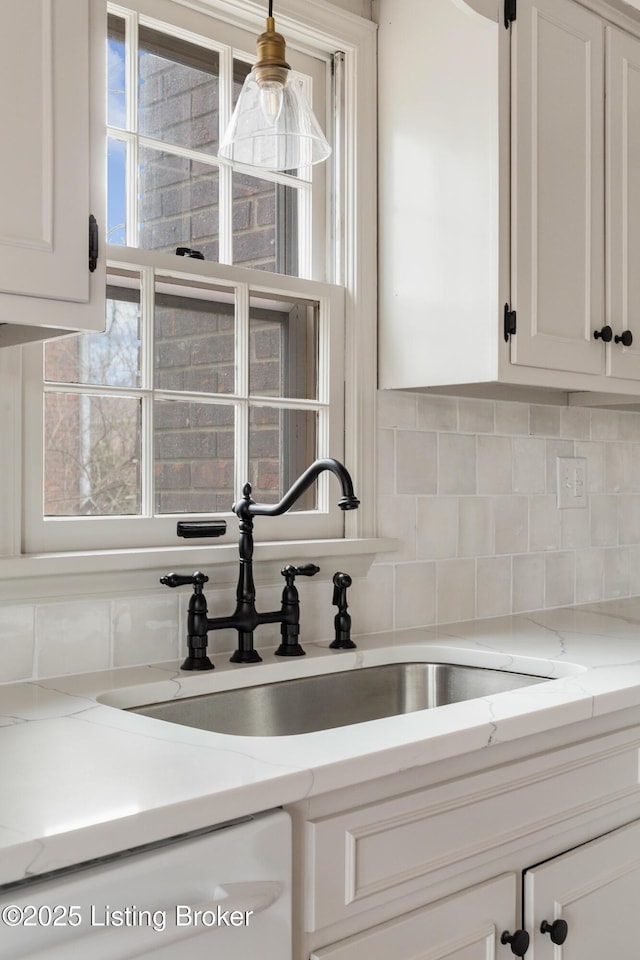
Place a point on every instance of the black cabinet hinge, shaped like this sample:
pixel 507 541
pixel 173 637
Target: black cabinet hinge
pixel 93 243
pixel 509 12
pixel 509 322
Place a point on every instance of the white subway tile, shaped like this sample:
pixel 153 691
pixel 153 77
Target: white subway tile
pixel 575 422
pixel 629 519
pixel 494 465
pixel 475 526
pixel 604 520
pixel 560 579
pixel 415 594
pixel 73 637
pixel 629 426
pixel 544 420
pixel 529 465
pixel 456 590
pixel 396 409
pixel 16 642
pixel 511 524
pixel 634 570
pixel 544 524
pixel 456 463
pixel 512 418
pixel 528 582
pixel 397 520
pixel 618 469
pixel 146 630
pixel 617 575
pixel 604 424
pixel 476 416
pixel 437 413
pixel 385 451
pixel 371 601
pixel 575 529
pixel 493 587
pixel 589 575
pixel 416 462
pixel 437 534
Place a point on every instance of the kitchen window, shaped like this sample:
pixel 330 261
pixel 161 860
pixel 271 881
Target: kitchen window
pixel 128 430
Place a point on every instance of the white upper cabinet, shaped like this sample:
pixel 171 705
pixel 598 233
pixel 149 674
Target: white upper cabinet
pixel 557 177
pixel 622 200
pixel 509 180
pixel 52 118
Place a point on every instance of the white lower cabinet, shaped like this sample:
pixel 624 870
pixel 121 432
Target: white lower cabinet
pixel 467 926
pixel 487 863
pixel 595 890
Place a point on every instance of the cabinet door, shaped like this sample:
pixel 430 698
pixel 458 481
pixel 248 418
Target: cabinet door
pixel 467 926
pixel 52 94
pixel 557 186
pixel 623 200
pixel 595 889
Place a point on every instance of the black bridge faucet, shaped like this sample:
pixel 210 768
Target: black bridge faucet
pixel 245 617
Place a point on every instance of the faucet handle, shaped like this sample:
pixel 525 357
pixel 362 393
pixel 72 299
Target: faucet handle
pixel 179 580
pixel 290 572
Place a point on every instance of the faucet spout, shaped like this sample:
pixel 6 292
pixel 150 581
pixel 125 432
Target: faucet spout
pixel 247 507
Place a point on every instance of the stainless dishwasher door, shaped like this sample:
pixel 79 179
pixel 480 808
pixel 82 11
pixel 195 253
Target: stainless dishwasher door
pixel 223 894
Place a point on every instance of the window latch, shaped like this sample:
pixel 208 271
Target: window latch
pixel 93 243
pixel 509 12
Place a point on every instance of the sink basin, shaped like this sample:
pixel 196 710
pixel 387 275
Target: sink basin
pixel 307 704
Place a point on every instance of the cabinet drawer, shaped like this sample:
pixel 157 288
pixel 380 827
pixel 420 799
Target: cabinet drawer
pixel 359 859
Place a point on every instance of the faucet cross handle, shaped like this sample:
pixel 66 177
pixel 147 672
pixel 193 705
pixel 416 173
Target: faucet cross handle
pixel 290 572
pixel 290 610
pixel 179 580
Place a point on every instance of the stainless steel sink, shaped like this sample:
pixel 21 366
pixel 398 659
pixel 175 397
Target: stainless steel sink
pixel 307 704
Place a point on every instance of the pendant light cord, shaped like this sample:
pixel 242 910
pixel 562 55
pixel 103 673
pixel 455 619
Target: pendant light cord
pixel 270 8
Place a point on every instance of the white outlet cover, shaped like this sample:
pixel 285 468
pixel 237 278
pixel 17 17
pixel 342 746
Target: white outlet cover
pixel 572 482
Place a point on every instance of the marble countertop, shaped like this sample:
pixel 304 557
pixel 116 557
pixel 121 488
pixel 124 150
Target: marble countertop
pixel 83 778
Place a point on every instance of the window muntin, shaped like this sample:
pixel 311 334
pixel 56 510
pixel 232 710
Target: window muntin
pixel 196 386
pixel 169 98
pixel 297 433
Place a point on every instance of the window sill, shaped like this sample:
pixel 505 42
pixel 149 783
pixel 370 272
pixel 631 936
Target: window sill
pixel 124 572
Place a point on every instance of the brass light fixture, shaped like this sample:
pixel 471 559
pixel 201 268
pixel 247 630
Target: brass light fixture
pixel 273 125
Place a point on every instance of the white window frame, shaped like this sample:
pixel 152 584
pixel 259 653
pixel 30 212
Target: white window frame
pixel 74 533
pixel 324 28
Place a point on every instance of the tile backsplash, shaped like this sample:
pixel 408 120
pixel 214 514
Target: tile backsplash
pixel 467 487
pixel 470 489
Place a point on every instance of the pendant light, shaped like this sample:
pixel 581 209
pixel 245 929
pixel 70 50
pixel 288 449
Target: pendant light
pixel 273 125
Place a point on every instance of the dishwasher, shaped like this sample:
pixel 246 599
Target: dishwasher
pixel 223 893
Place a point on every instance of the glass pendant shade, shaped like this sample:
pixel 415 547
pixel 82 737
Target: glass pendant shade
pixel 273 125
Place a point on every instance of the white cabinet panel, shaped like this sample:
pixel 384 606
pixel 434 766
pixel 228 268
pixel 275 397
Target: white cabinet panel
pixel 52 95
pixel 596 890
pixel 467 926
pixel 509 174
pixel 623 200
pixel 558 186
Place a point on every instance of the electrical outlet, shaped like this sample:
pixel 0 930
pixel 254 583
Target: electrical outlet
pixel 572 482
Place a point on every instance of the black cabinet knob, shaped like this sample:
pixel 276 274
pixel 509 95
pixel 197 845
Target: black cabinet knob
pixel 626 339
pixel 519 941
pixel 557 930
pixel 606 334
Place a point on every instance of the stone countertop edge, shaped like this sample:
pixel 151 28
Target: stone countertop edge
pixel 83 779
